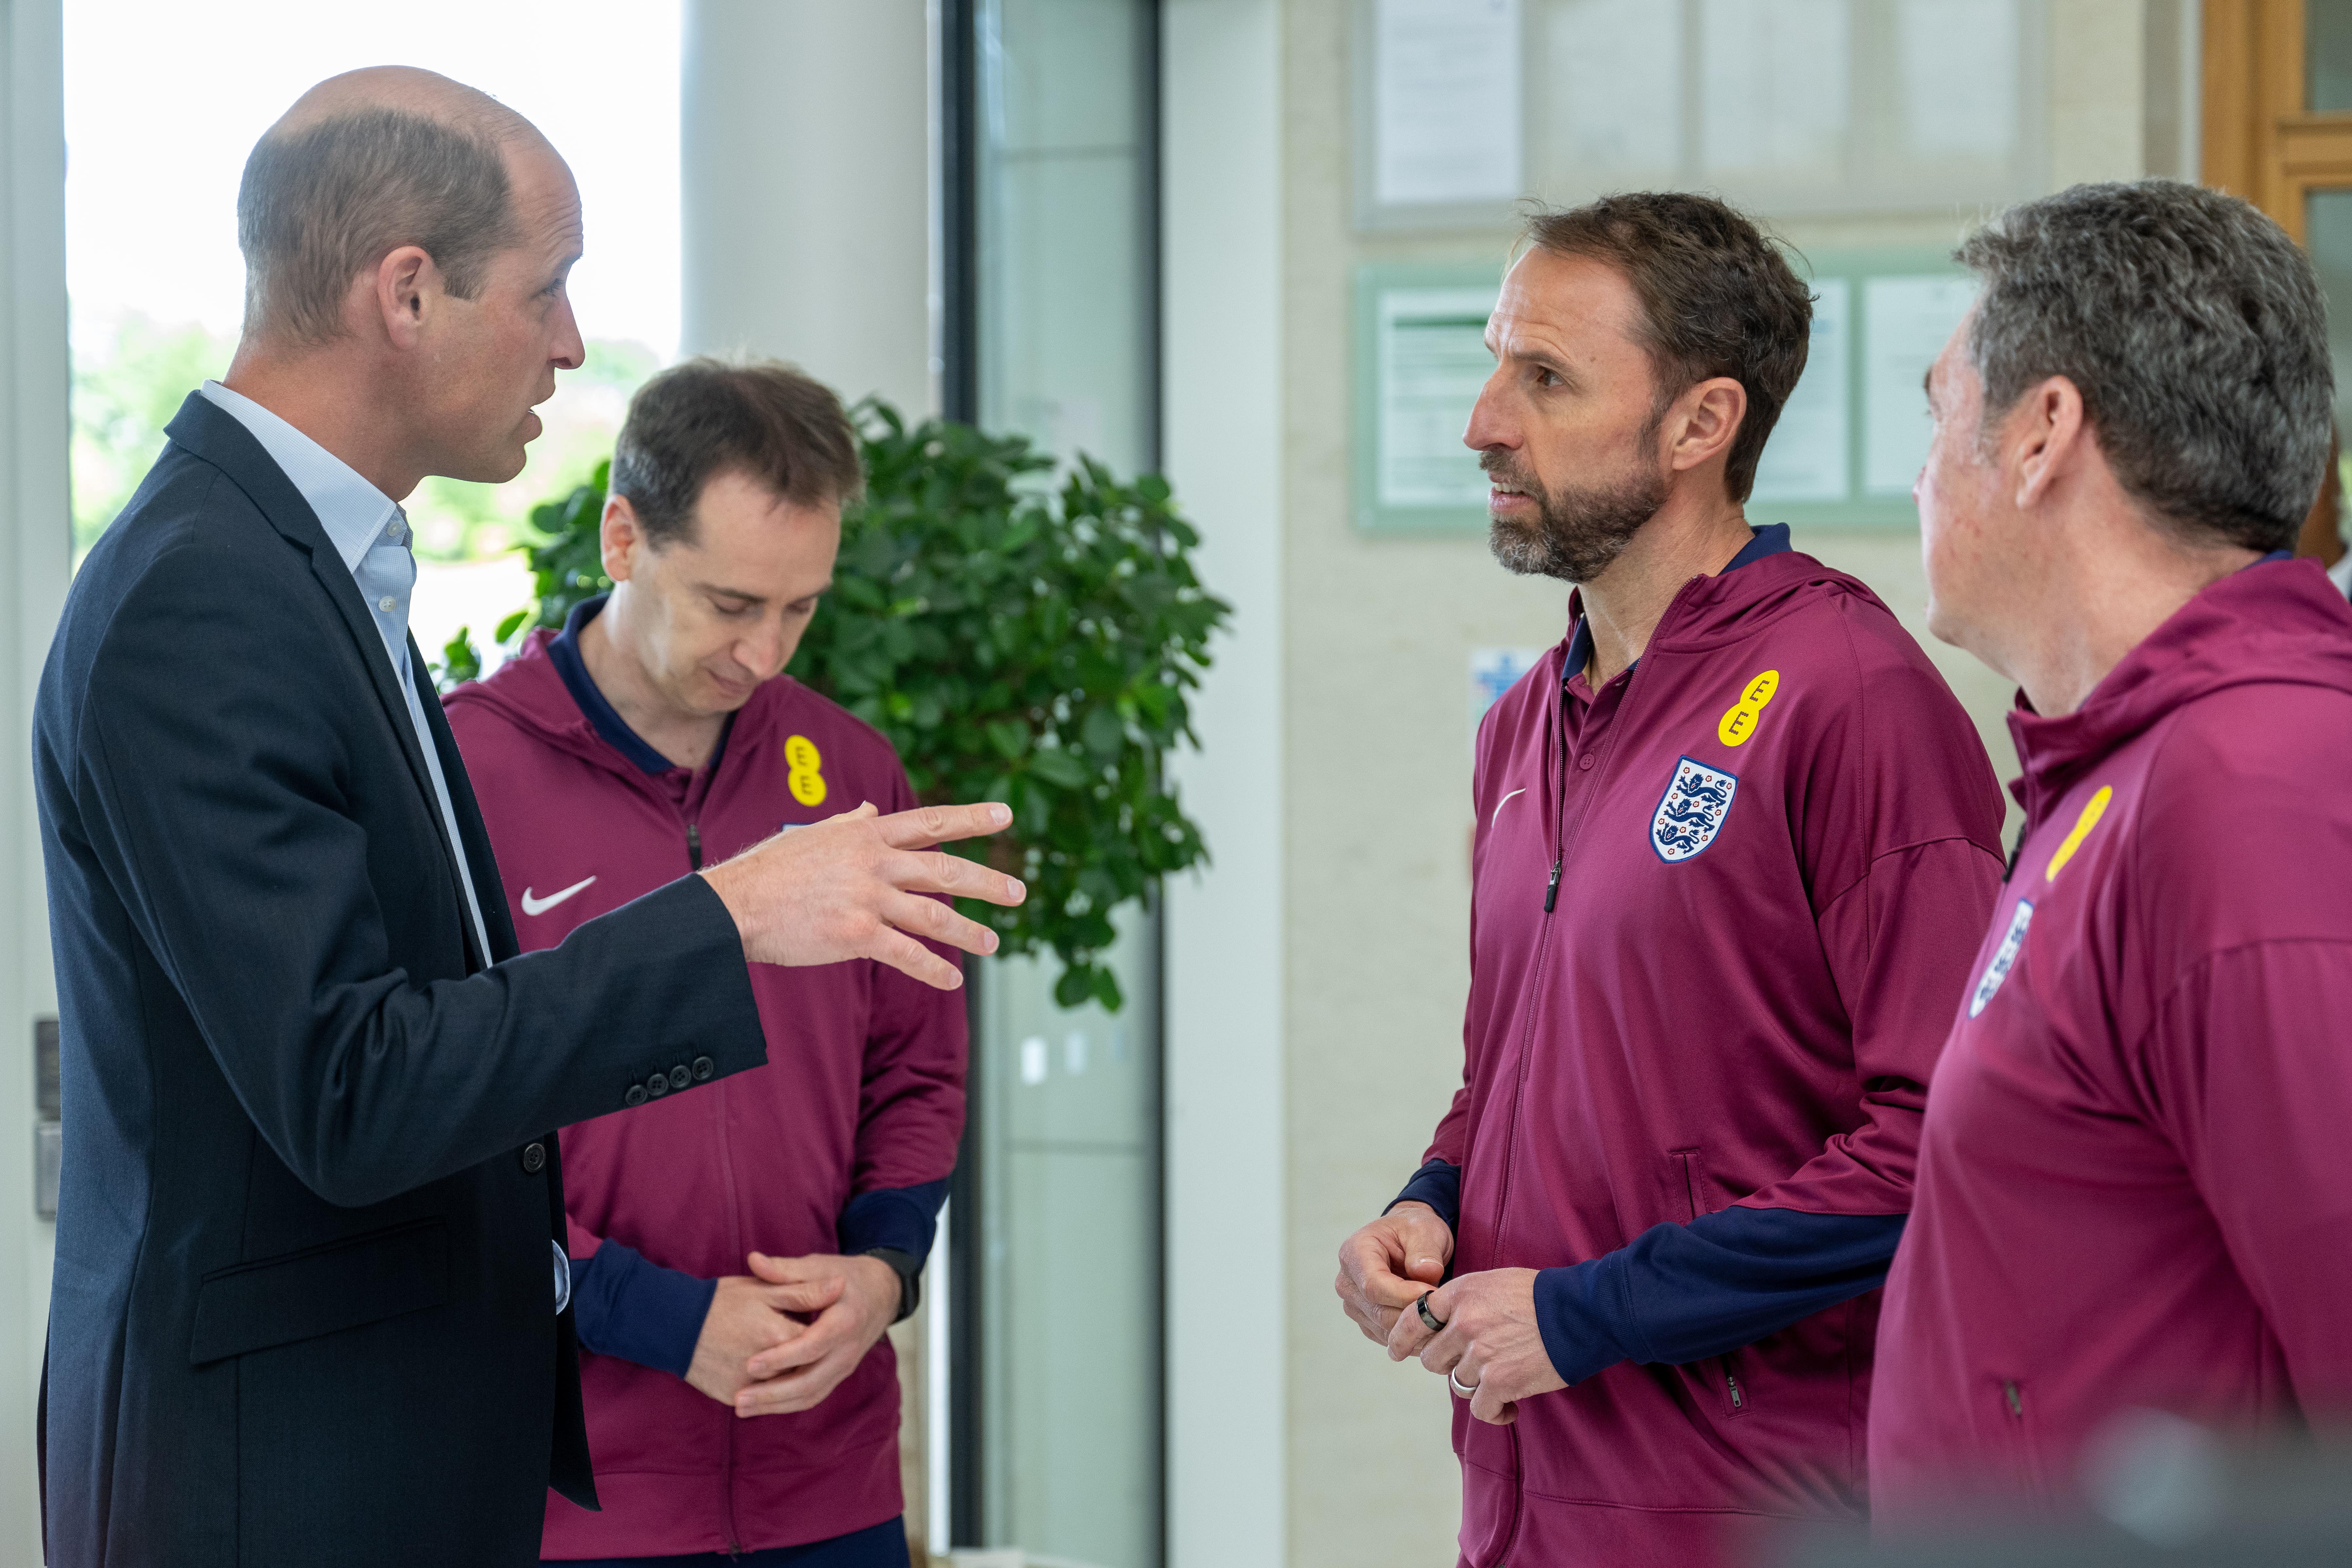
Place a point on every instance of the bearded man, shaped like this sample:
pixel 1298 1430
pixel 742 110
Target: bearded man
pixel 1735 841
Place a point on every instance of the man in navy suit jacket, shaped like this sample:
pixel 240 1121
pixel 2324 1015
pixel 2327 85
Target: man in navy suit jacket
pixel 310 1300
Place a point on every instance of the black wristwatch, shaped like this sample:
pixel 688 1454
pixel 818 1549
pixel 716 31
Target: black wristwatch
pixel 909 1270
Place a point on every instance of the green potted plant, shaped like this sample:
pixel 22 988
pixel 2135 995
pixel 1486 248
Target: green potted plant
pixel 1015 638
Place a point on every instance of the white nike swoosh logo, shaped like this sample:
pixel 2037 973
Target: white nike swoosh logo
pixel 531 906
pixel 1490 821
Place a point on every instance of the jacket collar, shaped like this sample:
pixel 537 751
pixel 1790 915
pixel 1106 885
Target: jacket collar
pixel 1772 538
pixel 216 436
pixel 2274 622
pixel 351 511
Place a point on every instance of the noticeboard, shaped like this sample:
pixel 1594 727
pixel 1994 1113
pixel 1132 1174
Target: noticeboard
pixel 1844 454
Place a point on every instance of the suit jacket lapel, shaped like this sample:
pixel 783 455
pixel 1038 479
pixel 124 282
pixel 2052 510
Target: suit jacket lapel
pixel 475 837
pixel 216 436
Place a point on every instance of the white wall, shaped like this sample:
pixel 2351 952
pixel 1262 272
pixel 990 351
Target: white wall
pixel 1228 1366
pixel 34 534
pixel 806 190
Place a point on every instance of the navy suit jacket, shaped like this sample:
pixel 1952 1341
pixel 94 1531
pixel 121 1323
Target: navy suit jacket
pixel 304 1304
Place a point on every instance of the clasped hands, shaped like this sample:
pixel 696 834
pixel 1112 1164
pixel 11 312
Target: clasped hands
pixel 1488 1342
pixel 782 1337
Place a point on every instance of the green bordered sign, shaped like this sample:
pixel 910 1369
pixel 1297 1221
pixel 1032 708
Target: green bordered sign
pixel 1844 454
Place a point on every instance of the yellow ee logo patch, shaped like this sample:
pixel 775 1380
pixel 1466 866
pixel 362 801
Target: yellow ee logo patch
pixel 801 761
pixel 1739 721
pixel 2095 808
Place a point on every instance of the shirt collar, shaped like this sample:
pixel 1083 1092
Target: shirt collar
pixel 353 511
pixel 1772 538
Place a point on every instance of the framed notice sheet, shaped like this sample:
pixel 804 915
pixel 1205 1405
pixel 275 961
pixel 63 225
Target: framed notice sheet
pixel 1842 454
pixel 1420 358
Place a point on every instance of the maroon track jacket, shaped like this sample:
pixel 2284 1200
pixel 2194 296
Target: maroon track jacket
pixel 2136 1181
pixel 864 1089
pixel 1778 838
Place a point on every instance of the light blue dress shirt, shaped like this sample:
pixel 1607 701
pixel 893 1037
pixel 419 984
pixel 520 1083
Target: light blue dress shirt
pixel 371 533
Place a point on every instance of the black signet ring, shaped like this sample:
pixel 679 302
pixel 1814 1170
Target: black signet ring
pixel 1422 1306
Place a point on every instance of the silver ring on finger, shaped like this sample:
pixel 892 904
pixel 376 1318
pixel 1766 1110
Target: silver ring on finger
pixel 1465 1390
pixel 1429 1319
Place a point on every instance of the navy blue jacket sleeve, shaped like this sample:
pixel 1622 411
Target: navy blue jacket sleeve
pixel 639 1311
pixel 1438 1184
pixel 1679 1293
pixel 901 1218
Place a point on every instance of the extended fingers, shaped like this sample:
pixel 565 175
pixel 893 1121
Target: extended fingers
pixel 939 922
pixel 929 871
pixel 929 825
pixel 903 952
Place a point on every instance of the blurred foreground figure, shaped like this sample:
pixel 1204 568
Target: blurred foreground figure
pixel 655 730
pixel 1734 839
pixel 311 1302
pixel 2136 1181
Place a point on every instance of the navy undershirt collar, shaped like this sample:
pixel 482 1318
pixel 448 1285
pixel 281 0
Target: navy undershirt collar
pixel 1772 538
pixel 564 652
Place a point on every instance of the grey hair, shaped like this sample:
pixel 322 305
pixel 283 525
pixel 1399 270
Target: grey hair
pixel 323 203
pixel 2196 332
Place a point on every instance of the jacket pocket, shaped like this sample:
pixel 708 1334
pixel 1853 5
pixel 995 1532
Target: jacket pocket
pixel 1734 1394
pixel 1687 1194
pixel 2012 1415
pixel 321 1291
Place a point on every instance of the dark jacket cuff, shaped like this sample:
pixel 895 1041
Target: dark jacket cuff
pixel 1581 1314
pixel 640 1311
pixel 901 1217
pixel 896 1225
pixel 1438 1184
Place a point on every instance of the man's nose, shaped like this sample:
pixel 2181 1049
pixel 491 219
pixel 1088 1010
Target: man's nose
pixel 1489 425
pixel 568 351
pixel 762 652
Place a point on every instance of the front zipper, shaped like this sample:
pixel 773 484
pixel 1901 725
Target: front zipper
pixel 694 845
pixel 1527 1043
pixel 1731 1386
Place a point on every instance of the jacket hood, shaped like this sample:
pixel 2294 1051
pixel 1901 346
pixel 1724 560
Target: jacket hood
pixel 1709 611
pixel 2273 622
pixel 528 692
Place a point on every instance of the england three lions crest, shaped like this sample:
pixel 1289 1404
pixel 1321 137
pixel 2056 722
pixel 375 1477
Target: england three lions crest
pixel 1691 812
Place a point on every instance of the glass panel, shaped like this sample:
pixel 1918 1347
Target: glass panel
pixel 2327 229
pixel 2327 54
pixel 1066 1103
pixel 1067 1108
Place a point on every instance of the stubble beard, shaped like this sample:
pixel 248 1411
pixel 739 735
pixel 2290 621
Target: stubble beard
pixel 1576 532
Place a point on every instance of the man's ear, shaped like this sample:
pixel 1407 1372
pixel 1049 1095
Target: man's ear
pixel 619 536
pixel 1704 421
pixel 2044 436
pixel 406 285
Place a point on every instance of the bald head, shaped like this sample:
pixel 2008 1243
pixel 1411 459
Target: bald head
pixel 363 164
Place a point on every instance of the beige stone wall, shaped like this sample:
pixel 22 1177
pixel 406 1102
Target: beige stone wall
pixel 1376 817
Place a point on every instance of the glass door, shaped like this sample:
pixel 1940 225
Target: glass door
pixel 1051 309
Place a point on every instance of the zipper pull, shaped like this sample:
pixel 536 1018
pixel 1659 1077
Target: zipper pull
pixel 1552 889
pixel 694 845
pixel 2016 1401
pixel 1732 1384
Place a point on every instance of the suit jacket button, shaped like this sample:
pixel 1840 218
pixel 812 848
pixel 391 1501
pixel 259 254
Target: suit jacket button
pixel 658 1084
pixel 636 1097
pixel 680 1077
pixel 704 1069
pixel 534 1159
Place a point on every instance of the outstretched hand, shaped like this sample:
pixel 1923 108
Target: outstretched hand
pixel 853 886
